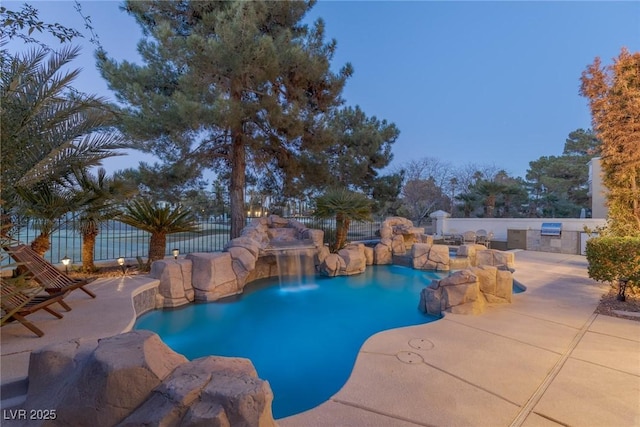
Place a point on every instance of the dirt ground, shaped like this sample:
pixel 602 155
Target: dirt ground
pixel 610 306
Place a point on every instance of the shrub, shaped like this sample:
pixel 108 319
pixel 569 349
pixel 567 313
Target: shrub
pixel 614 259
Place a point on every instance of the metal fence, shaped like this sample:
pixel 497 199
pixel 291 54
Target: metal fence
pixel 120 240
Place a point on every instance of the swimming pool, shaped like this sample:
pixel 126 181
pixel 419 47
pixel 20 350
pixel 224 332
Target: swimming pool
pixel 302 338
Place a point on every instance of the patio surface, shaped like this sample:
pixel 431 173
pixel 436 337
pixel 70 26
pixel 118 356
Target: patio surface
pixel 545 360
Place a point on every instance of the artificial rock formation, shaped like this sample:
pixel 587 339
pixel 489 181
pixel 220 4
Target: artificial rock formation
pixel 469 253
pixel 426 256
pixel 397 236
pixel 252 256
pixel 211 276
pixel 134 379
pixel 467 291
pixel 175 287
pixel 352 259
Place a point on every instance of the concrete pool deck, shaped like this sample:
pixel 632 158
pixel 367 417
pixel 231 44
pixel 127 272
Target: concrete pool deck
pixel 545 360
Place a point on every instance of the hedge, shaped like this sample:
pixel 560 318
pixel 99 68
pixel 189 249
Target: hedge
pixel 615 259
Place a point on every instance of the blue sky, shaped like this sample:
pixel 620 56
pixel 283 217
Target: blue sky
pixel 489 83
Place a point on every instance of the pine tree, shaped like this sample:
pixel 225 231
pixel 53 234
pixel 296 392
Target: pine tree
pixel 226 84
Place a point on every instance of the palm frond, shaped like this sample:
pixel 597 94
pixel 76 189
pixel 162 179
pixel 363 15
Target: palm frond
pixel 148 216
pixel 353 205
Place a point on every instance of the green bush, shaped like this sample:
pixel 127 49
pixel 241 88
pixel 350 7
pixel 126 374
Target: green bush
pixel 615 259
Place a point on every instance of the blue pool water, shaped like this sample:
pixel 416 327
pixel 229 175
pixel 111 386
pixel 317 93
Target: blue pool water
pixel 303 339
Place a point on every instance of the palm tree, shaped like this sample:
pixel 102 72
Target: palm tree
pixel 490 191
pixel 49 130
pixel 469 201
pixel 103 197
pixel 45 203
pixel 159 221
pixel 346 206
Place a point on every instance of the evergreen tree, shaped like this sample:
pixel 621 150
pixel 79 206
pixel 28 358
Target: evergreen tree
pixel 614 98
pixel 360 148
pixel 564 178
pixel 228 83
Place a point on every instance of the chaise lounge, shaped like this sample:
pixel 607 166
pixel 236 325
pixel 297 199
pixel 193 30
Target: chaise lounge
pixel 45 273
pixel 17 304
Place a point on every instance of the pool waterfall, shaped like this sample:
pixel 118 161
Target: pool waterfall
pixel 295 263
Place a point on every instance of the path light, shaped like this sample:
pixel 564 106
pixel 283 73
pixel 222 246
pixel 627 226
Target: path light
pixel 175 253
pixel 122 266
pixel 65 261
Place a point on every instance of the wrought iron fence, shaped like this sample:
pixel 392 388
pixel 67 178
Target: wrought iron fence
pixel 117 239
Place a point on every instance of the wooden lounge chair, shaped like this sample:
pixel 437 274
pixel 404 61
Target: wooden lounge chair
pixel 17 304
pixel 45 273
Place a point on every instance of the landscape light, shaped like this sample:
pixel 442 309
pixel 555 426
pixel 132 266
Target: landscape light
pixel 175 253
pixel 65 261
pixel 122 266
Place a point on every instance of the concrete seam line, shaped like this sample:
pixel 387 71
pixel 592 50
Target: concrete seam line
pixel 537 395
pixel 364 408
pixel 479 387
pixel 508 338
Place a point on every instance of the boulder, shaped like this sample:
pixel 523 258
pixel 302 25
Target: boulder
pixel 474 307
pixel 431 301
pixel 108 383
pixel 248 243
pixel 425 238
pixel 175 287
pixel 496 258
pixel 244 257
pixel 420 255
pixel 368 255
pixel 213 276
pixel 459 263
pixel 315 236
pixel 458 293
pixel 430 257
pixel 504 287
pixel 382 254
pixel 496 285
pixel 212 390
pixel 134 379
pixel 354 259
pixel 487 276
pixel 332 265
pixel 397 220
pixel 275 221
pixel 470 251
pixel 440 255
pixel 397 245
pixel 322 254
pixel 52 368
pixel 386 232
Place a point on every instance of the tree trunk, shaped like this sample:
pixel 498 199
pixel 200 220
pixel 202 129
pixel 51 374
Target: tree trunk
pixel 41 244
pixel 236 190
pixel 88 245
pixel 491 205
pixel 342 228
pixel 157 245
